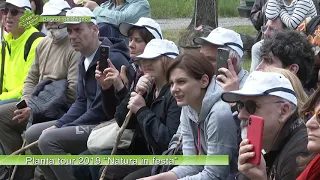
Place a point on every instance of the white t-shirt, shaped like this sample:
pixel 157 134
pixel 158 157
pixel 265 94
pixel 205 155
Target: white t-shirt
pixel 88 60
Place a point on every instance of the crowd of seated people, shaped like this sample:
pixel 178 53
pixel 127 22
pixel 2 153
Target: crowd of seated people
pixel 60 89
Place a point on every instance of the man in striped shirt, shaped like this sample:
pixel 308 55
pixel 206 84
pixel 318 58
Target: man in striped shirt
pixel 291 12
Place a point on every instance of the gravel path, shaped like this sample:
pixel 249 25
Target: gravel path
pixel 181 23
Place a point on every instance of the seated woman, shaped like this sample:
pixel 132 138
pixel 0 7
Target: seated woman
pixel 156 115
pixel 206 122
pixel 310 113
pixel 291 12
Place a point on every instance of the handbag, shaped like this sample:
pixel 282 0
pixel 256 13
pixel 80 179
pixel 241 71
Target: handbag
pixel 104 136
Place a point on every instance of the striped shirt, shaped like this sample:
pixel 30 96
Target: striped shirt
pixel 291 15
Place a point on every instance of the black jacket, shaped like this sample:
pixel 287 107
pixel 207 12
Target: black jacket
pixel 154 124
pixel 87 109
pixel 49 100
pixel 257 16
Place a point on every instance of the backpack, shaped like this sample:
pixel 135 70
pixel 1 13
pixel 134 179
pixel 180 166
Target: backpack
pixel 29 43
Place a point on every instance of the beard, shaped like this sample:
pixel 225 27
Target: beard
pixel 244 129
pixel 57 34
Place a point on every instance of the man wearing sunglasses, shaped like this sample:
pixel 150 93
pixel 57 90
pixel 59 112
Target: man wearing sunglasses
pixel 268 31
pixel 271 96
pixel 20 49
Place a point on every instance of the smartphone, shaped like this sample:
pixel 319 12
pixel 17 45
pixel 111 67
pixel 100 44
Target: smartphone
pixel 104 55
pixel 21 104
pixel 222 59
pixel 255 135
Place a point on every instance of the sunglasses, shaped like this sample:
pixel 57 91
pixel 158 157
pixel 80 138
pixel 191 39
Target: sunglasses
pixel 13 12
pixel 251 105
pixel 308 115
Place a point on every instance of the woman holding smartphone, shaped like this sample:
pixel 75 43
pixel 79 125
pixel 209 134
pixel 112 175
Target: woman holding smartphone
pixel 155 111
pixel 206 122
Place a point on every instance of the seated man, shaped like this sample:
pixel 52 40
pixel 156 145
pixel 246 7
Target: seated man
pixel 225 38
pixel 20 53
pixel 69 134
pixel 271 96
pixel 268 30
pixel 283 51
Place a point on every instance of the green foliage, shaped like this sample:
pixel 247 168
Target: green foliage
pixel 165 9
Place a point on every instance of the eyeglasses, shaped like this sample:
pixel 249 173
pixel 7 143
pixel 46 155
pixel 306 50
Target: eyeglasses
pixel 251 105
pixel 308 115
pixel 13 12
pixel 271 28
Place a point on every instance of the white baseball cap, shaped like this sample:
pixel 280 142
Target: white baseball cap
pixel 151 25
pixel 159 47
pixel 80 11
pixel 263 83
pixel 223 37
pixel 20 3
pixel 55 7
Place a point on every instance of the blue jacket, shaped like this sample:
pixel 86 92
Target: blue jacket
pixel 129 12
pixel 87 109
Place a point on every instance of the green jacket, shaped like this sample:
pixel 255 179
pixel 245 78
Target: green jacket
pixel 16 68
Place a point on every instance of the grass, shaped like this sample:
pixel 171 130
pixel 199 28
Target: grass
pixel 166 9
pixel 249 30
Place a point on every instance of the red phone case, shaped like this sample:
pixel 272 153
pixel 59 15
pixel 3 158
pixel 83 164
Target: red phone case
pixel 255 134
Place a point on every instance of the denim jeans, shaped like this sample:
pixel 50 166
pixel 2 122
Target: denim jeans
pixel 91 172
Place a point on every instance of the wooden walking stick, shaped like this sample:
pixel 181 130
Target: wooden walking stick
pixel 16 167
pixel 25 148
pixel 115 147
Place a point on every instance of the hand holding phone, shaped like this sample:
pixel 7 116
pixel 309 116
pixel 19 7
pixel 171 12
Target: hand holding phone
pixel 21 104
pixel 222 59
pixel 104 55
pixel 255 135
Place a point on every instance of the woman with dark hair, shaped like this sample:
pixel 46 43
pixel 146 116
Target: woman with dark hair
pixel 206 122
pixel 310 111
pixel 37 8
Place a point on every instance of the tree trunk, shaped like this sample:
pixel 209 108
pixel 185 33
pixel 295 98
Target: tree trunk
pixel 205 16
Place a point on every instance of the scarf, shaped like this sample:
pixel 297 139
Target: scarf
pixel 312 170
